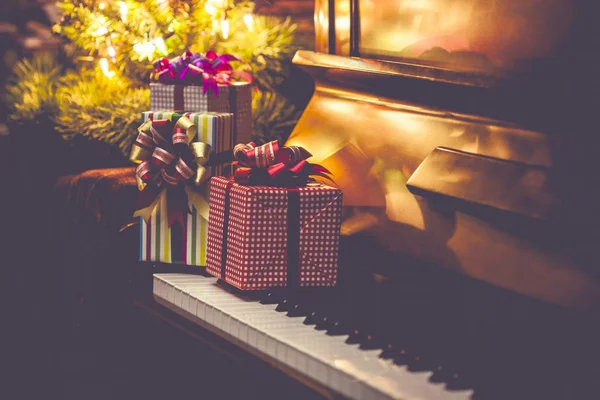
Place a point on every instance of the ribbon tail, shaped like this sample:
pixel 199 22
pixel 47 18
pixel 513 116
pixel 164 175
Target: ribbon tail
pixel 244 75
pixel 199 201
pixel 177 206
pixel 146 212
pixel 320 168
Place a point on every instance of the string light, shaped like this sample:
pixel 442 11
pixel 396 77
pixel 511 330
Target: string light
pixel 249 21
pixel 144 50
pixel 159 43
pixel 112 53
pixel 104 67
pixel 101 31
pixel 212 10
pixel 225 28
pixel 123 10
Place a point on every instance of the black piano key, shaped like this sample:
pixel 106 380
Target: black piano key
pixel 284 305
pixel 296 310
pixel 369 342
pixel 338 328
pixel 312 318
pixel 271 297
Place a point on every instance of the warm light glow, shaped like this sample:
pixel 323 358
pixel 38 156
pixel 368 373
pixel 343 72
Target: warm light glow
pixel 123 10
pixel 112 53
pixel 101 31
pixel 159 43
pixel 249 21
pixel 220 4
pixel 101 6
pixel 212 10
pixel 144 50
pixel 225 28
pixel 104 67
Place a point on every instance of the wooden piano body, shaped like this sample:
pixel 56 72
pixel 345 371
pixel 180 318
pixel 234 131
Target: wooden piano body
pixel 468 255
pixel 487 171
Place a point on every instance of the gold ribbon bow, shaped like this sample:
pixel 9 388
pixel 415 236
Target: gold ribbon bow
pixel 167 160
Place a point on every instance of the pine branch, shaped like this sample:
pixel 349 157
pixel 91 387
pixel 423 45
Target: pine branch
pixel 99 108
pixel 274 117
pixel 31 90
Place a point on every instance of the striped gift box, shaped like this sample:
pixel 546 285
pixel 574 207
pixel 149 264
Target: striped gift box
pixel 235 99
pixel 187 244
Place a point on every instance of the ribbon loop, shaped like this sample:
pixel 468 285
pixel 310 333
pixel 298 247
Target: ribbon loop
pixel 274 165
pixel 168 157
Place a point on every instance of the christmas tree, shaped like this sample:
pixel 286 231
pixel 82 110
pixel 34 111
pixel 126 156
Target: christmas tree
pixel 98 83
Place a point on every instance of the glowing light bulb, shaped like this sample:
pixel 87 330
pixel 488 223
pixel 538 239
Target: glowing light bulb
pixel 101 6
pixel 105 70
pixel 100 22
pixel 212 10
pixel 123 10
pixel 101 31
pixel 225 28
pixel 144 50
pixel 249 21
pixel 159 43
pixel 112 53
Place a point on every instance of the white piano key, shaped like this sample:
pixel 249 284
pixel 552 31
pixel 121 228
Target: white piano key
pixel 169 293
pixel 243 331
pixel 251 339
pixel 234 327
pixel 291 357
pixel 225 322
pixel 160 287
pixel 271 347
pixel 261 341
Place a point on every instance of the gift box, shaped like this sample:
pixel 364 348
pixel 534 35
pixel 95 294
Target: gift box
pixel 181 240
pixel 263 236
pixel 235 98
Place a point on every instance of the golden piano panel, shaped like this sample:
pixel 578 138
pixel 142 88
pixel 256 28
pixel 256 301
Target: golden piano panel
pixel 375 144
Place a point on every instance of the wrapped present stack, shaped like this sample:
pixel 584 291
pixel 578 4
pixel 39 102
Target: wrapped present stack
pixel 199 111
pixel 272 224
pixel 204 83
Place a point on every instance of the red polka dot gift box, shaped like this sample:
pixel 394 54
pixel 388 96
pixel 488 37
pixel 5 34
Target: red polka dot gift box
pixel 262 236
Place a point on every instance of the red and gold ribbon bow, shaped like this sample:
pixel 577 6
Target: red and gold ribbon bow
pixel 171 164
pixel 274 165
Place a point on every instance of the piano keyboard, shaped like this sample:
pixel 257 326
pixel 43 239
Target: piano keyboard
pixel 288 342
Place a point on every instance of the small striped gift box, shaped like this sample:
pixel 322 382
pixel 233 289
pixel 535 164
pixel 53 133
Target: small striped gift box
pixel 187 244
pixel 235 99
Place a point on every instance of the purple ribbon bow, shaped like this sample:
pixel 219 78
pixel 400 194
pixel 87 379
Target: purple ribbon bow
pixel 209 70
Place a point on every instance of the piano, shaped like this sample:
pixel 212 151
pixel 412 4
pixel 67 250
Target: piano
pixel 463 135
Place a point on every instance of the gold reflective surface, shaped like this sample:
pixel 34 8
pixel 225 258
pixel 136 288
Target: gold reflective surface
pixel 475 35
pixel 321 20
pixel 373 145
